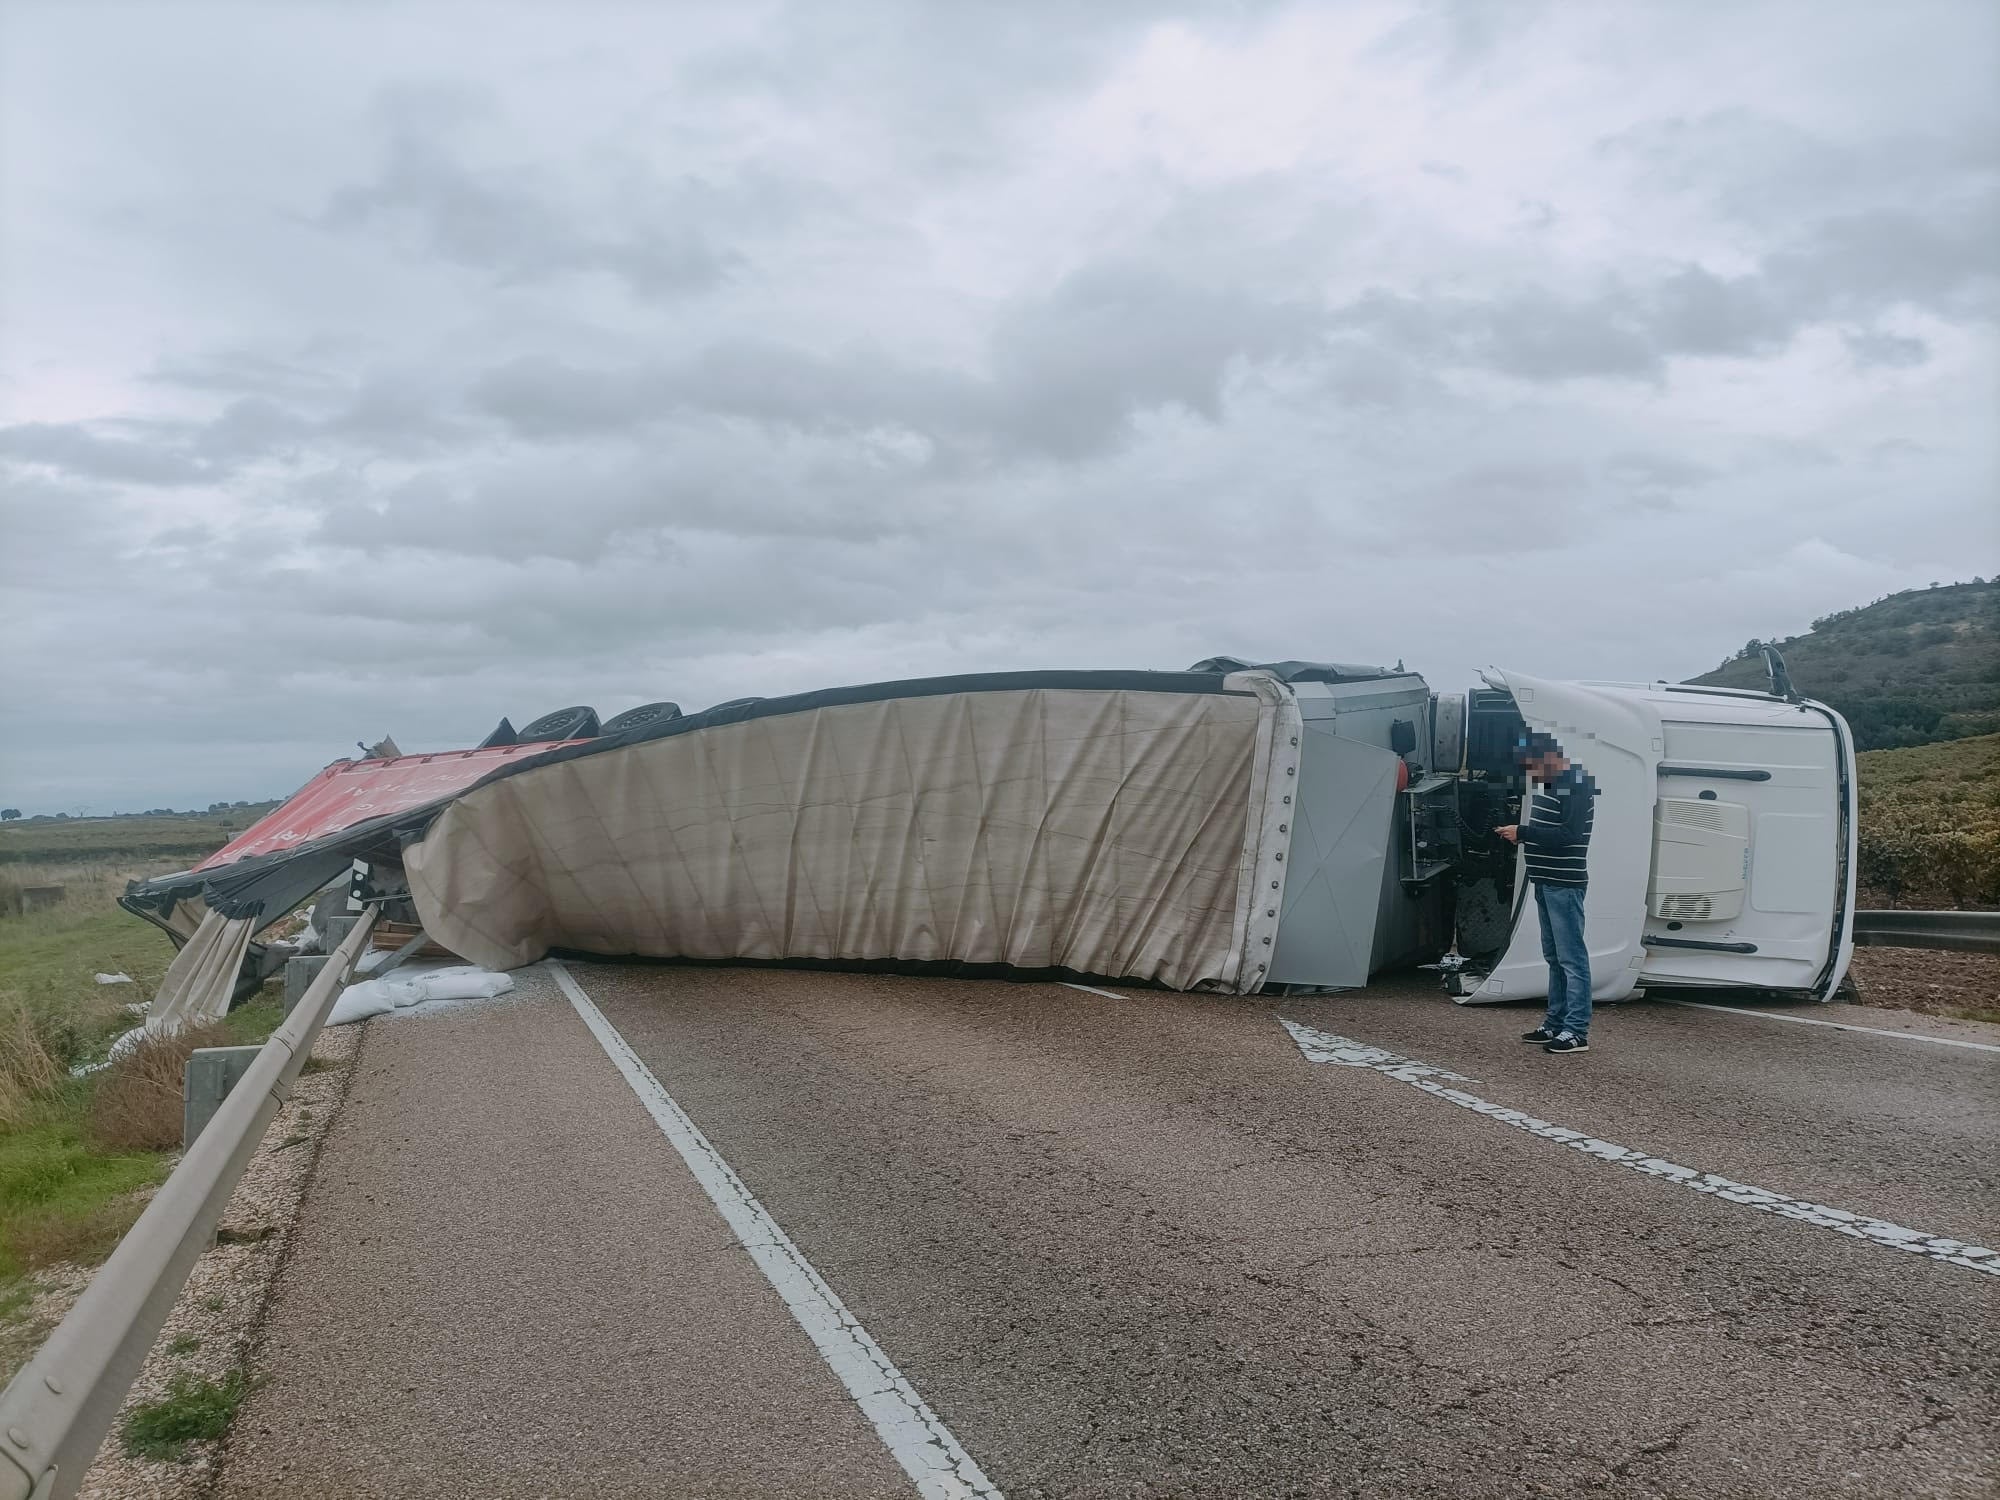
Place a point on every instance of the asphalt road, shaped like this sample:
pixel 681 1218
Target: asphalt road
pixel 1133 1246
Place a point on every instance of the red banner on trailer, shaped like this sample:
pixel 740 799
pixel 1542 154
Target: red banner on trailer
pixel 353 791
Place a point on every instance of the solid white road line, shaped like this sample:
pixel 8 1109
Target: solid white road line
pixel 1324 1047
pixel 911 1431
pixel 1899 1036
pixel 1091 989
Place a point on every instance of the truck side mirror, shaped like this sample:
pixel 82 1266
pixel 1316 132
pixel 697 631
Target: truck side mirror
pixel 1781 680
pixel 1402 736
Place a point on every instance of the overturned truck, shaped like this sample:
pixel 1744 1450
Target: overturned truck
pixel 1236 827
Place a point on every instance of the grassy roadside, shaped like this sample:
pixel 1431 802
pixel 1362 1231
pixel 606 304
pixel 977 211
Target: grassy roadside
pixel 79 1156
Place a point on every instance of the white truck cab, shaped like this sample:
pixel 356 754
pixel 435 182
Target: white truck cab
pixel 1723 852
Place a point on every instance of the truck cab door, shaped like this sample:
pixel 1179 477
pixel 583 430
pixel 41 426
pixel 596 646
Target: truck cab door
pixel 1618 740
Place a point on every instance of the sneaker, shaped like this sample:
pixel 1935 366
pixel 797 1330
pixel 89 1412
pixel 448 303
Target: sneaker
pixel 1568 1042
pixel 1539 1034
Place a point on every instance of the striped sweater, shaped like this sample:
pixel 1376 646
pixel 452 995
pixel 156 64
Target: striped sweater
pixel 1557 833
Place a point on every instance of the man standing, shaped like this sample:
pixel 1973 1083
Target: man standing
pixel 1556 838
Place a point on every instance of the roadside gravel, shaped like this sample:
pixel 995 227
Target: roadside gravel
pixel 1938 984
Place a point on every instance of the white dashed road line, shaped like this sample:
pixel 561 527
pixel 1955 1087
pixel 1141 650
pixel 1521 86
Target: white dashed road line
pixel 1324 1047
pixel 909 1429
pixel 1894 1036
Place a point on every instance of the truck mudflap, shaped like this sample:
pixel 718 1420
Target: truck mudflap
pixel 1617 738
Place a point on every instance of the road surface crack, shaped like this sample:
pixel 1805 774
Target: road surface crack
pixel 1653 1449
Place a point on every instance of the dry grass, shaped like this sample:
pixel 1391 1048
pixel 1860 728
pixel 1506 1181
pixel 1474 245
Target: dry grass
pixel 88 884
pixel 137 1103
pixel 46 1238
pixel 27 1070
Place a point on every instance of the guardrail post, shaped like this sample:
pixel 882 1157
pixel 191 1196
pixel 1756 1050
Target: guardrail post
pixel 210 1074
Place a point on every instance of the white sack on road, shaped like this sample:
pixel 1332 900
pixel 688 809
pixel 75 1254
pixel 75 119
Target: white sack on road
pixel 375 997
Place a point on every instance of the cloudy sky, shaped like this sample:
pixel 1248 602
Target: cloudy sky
pixel 384 368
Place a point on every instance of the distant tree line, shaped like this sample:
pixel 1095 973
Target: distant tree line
pixel 10 814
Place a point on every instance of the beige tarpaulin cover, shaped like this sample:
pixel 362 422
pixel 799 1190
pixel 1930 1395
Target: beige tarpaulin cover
pixel 1111 832
pixel 199 981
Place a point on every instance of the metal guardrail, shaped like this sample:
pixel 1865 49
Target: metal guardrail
pixel 55 1413
pixel 1963 931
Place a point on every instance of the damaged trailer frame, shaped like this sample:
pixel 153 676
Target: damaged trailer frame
pixel 1236 827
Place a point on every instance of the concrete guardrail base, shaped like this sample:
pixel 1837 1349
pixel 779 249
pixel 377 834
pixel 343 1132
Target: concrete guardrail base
pixel 210 1074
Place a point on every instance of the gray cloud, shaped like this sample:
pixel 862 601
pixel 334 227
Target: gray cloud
pixel 243 372
pixel 1760 170
pixel 55 529
pixel 73 448
pixel 753 379
pixel 1065 373
pixel 1855 267
pixel 503 220
pixel 581 505
pixel 1520 505
pixel 384 413
pixel 250 427
pixel 1874 347
pixel 1111 341
pixel 1659 471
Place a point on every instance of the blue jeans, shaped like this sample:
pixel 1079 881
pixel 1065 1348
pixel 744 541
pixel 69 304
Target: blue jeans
pixel 1561 910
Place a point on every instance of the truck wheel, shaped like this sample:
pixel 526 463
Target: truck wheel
pixel 645 715
pixel 563 724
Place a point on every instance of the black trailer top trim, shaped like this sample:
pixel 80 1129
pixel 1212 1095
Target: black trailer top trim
pixel 1698 943
pixel 1301 671
pixel 1715 773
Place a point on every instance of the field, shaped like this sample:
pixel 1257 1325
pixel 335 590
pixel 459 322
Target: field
pixel 1930 825
pixel 177 839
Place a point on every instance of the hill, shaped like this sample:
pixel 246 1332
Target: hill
pixel 1915 668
